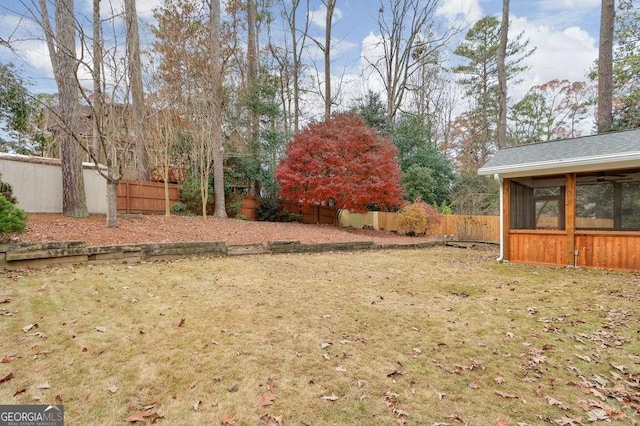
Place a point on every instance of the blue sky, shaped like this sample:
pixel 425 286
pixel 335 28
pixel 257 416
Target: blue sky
pixel 565 33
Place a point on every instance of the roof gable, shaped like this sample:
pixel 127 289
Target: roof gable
pixel 588 153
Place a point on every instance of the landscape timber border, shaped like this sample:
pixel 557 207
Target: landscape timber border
pixel 33 255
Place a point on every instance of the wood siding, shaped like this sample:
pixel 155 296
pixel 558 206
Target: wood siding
pixel 145 197
pixel 601 249
pixel 545 247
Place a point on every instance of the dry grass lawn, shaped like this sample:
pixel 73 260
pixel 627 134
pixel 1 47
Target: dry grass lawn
pixel 422 337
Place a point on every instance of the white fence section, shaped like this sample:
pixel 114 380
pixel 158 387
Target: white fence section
pixel 37 184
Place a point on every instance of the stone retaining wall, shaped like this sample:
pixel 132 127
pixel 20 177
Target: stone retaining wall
pixel 26 255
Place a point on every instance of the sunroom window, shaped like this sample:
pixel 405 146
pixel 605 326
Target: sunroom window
pixel 608 201
pixel 537 203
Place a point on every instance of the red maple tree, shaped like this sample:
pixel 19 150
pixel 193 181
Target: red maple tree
pixel 341 163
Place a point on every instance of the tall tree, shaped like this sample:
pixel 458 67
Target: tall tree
pixel 16 110
pixel 552 110
pixel 62 51
pixel 137 92
pixel 502 76
pixel 408 38
pixel 298 45
pixel 478 73
pixel 604 113
pixel 215 102
pixel 626 66
pixel 330 6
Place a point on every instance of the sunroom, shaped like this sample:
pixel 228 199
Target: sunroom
pixel 571 202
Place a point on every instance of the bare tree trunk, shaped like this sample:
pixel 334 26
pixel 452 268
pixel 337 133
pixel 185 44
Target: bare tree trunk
pixel 402 29
pixel 62 50
pixel 330 5
pixel 502 76
pixel 252 65
pixel 167 203
pixel 604 114
pixel 216 109
pixel 137 93
pixel 112 202
pixel 97 82
pixel 297 47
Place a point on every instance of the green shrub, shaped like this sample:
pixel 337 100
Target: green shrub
pixel 12 218
pixel 6 190
pixel 268 210
pixel 192 199
pixel 290 217
pixel 180 209
pixel 417 218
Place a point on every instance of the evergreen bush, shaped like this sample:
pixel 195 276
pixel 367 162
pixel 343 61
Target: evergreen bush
pixel 12 218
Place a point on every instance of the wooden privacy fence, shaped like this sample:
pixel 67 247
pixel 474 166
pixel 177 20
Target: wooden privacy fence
pixel 312 214
pixel 145 197
pixel 459 227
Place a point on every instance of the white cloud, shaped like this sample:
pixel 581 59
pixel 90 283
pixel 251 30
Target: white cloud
pixel 319 17
pixel 565 54
pixel 465 12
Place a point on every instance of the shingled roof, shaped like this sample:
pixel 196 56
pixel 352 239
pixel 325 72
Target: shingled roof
pixel 614 150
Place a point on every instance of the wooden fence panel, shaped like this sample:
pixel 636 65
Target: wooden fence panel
pixel 144 197
pixel 311 214
pixel 469 228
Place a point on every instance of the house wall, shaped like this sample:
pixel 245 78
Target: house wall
pixel 37 184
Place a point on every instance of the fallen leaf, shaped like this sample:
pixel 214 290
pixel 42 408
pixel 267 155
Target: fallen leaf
pixel 360 383
pixel 330 397
pixel 267 399
pixel 196 406
pixel 441 395
pixel 193 385
pixel 502 422
pixel 140 416
pixel 325 345
pixel 556 403
pixel 395 373
pixel 341 369
pixel 181 323
pixel 6 378
pixel 269 420
pixel 271 385
pixel 506 395
pixel 568 421
pixel 20 392
pixel 113 389
pixel 618 367
pixel 233 388
pixel 326 356
pixel 58 400
pixel 44 385
pixel 100 329
pixel 228 420
pixel 597 414
pixel 498 380
pixel 28 327
pixel 7 359
pixel 5 301
pixel 583 357
pixel 475 384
